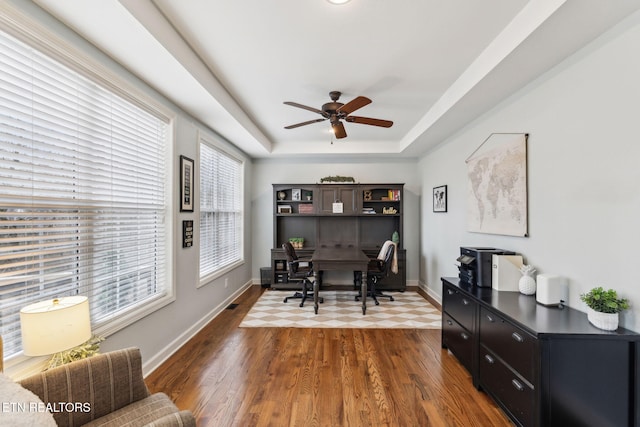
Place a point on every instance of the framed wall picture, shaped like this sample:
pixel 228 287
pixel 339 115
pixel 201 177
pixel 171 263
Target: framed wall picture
pixel 186 184
pixel 187 234
pixel 440 198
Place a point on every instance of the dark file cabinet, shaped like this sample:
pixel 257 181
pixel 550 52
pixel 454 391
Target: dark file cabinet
pixel 543 366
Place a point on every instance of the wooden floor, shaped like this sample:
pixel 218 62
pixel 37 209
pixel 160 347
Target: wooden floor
pixel 230 376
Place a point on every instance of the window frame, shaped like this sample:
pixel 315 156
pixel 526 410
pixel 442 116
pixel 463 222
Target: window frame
pixel 216 144
pixel 33 33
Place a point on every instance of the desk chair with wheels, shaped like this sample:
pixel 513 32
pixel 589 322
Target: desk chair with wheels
pixel 378 269
pixel 299 270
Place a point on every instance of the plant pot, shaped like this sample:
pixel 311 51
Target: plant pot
pixel 604 321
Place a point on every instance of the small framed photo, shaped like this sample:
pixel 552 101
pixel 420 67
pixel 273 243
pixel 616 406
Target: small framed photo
pixel 440 198
pixel 284 209
pixel 187 234
pixel 295 194
pixel 186 184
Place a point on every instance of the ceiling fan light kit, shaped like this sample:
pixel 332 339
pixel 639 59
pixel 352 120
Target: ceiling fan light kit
pixel 338 1
pixel 335 112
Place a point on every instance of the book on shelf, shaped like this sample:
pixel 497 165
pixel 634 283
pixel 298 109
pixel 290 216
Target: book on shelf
pixel 394 195
pixel 369 211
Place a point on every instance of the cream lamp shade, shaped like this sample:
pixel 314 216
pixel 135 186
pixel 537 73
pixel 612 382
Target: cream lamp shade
pixel 56 325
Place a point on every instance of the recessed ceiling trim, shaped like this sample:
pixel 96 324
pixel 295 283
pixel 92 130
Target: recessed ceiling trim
pixel 521 27
pixel 156 23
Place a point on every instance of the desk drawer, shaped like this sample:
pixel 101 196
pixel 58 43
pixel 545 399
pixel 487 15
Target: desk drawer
pixel 515 346
pixel 511 391
pixel 458 340
pixel 461 307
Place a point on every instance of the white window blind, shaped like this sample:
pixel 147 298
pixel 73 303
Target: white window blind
pixel 220 210
pixel 82 196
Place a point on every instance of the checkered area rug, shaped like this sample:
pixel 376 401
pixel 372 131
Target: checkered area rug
pixel 340 310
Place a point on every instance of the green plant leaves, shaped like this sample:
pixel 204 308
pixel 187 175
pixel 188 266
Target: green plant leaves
pixel 604 301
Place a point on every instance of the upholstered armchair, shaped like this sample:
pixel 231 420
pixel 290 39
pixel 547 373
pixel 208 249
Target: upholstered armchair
pixel 105 390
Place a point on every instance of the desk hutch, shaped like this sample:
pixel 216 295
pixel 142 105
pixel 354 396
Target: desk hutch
pixel 368 216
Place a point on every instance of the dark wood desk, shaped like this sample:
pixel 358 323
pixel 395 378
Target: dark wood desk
pixel 345 259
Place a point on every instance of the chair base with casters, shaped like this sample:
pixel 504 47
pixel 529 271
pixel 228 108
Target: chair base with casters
pixel 372 292
pixel 378 269
pixel 299 270
pixel 307 287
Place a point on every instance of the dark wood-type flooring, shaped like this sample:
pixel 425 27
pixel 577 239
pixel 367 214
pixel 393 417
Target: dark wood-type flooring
pixel 231 376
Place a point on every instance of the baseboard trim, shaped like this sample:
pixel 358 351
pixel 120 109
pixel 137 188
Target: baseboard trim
pixel 163 355
pixel 431 296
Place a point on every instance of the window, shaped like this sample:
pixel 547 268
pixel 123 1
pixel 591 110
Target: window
pixel 220 211
pixel 82 205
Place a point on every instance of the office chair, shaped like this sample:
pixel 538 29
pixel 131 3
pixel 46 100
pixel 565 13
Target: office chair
pixel 299 270
pixel 378 269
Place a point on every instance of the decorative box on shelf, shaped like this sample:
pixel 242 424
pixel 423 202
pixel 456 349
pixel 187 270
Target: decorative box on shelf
pixel 305 208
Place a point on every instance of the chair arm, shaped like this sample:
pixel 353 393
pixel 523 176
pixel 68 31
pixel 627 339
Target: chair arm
pixel 302 262
pixel 178 419
pixel 99 385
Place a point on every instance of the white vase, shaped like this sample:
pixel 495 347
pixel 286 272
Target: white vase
pixel 604 321
pixel 527 285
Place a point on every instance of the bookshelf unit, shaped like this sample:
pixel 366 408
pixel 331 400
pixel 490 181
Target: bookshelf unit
pixel 369 215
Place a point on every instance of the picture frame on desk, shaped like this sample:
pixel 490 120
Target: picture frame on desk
pixel 296 194
pixel 284 209
pixel 440 198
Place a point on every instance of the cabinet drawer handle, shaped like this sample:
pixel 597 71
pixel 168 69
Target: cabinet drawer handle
pixel 465 301
pixel 516 336
pixel 449 322
pixel 489 359
pixel 490 318
pixel 450 291
pixel 517 385
pixel 464 336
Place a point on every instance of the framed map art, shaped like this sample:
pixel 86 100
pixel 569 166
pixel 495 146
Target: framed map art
pixel 497 186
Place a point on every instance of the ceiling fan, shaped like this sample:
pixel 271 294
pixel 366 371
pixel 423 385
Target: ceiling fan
pixel 335 111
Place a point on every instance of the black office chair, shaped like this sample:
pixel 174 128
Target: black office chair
pixel 377 269
pixel 298 273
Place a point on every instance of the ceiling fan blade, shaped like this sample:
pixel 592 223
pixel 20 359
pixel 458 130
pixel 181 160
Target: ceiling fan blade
pixel 354 104
pixel 297 125
pixel 338 129
pixel 304 107
pixel 369 121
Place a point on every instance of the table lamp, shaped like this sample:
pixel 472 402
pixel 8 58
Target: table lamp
pixel 53 326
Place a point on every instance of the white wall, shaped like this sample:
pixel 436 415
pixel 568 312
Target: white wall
pixel 282 171
pixel 584 179
pixel 162 332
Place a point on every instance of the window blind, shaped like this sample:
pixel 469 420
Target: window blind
pixel 220 210
pixel 82 196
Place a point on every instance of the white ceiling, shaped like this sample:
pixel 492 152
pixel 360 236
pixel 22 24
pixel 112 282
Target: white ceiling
pixel 430 66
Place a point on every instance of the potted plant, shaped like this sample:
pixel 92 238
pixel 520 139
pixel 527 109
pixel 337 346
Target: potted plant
pixel 337 178
pixel 603 307
pixel 297 242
